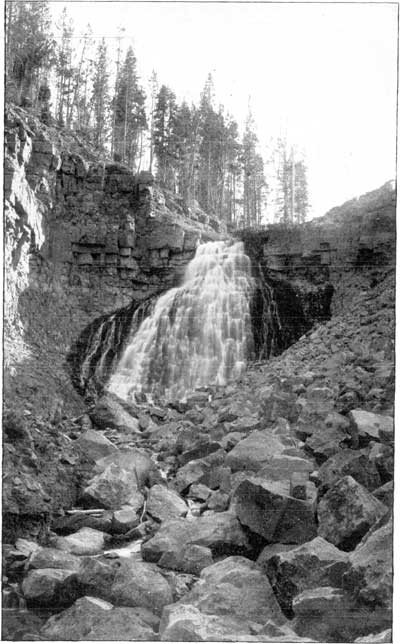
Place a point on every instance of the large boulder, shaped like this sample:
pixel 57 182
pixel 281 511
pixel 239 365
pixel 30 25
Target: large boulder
pixel 346 513
pixel 163 504
pixel 49 587
pixel 186 623
pixel 267 508
pixel 112 488
pixel 84 542
pixel 94 445
pixel 53 558
pixel 95 577
pixel 235 586
pixel 353 463
pixel 191 560
pixel 254 452
pixel 109 413
pixel 368 426
pixel 92 619
pixel 220 532
pixel 73 522
pixel 137 583
pixel 134 461
pixel 315 563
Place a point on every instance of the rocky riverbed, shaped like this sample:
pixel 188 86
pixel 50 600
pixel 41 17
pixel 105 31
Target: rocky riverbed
pixel 259 511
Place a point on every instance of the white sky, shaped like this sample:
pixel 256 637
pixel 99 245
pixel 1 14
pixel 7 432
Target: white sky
pixel 327 73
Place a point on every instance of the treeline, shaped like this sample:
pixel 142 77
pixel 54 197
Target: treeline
pixel 194 150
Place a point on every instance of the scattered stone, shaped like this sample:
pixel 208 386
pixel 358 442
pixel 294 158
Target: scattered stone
pixel 185 623
pixel 346 513
pixel 84 542
pixel 95 577
pixel 73 522
pixel 53 558
pixel 191 560
pixel 369 426
pixel 384 494
pixel 133 461
pixel 291 571
pixel 75 622
pixel 254 452
pixel 137 583
pixel 350 462
pixel 112 488
pixel 218 501
pixel 163 504
pixel 268 510
pixel 124 520
pixel 199 491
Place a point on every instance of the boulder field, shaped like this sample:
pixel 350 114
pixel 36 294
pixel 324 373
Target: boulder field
pixel 258 511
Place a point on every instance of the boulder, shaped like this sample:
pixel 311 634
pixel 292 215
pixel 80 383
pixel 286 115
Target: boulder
pixel 186 623
pixel 112 488
pixel 282 467
pixel 50 587
pixel 133 461
pixel 84 542
pixel 218 501
pixel 270 632
pixel 93 445
pixel 235 586
pixel 95 577
pixel 90 618
pixel 268 510
pixel 109 413
pixel 346 513
pixel 163 504
pixel 384 494
pixel 191 560
pixel 315 563
pixel 220 532
pixel 254 452
pixel 368 426
pixel 53 558
pixel 326 441
pixel 124 520
pixel 382 457
pixel 137 583
pixel 352 463
pixel 74 522
pixel 377 638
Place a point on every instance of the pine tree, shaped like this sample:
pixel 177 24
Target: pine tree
pixel 301 191
pixel 253 175
pixel 100 97
pixel 153 99
pixel 64 70
pixel 165 137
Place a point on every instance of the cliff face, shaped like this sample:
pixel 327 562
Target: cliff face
pixel 83 239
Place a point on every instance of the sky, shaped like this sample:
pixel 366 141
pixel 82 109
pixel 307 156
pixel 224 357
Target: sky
pixel 325 74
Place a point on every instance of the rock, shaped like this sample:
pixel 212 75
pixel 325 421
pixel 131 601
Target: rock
pixel 95 577
pixel 50 587
pixel 94 445
pixel 109 412
pixel 53 558
pixel 315 563
pixel 382 456
pixel 15 625
pixel 369 426
pixel 282 467
pixel 84 542
pixel 90 618
pixel 384 494
pixel 268 510
pixel 352 463
pixel 283 633
pixel 254 452
pixel 164 504
pixel 133 461
pixel 218 501
pixel 377 638
pixel 326 441
pixel 27 548
pixel 124 520
pixel 191 560
pixel 346 513
pixel 192 472
pixel 370 577
pixel 185 623
pixel 278 404
pixel 112 488
pixel 199 492
pixel 137 583
pixel 201 449
pixel 220 532
pixel 235 586
pixel 73 522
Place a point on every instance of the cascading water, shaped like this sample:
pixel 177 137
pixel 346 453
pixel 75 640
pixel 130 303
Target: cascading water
pixel 198 334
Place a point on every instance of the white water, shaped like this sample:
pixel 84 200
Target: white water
pixel 198 334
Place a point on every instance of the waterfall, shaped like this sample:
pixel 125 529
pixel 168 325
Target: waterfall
pixel 198 334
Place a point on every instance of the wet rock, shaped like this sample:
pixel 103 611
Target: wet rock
pixel 93 445
pixel 109 412
pixel 268 510
pixel 369 426
pixel 185 623
pixel 124 520
pixel 235 586
pixel 370 578
pixel 50 587
pixel 220 532
pixel 316 563
pixel 346 513
pixel 191 560
pixel 164 504
pixel 254 452
pixel 112 488
pixel 133 461
pixel 84 542
pixel 349 462
pixel 53 558
pixel 137 583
